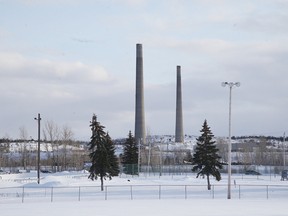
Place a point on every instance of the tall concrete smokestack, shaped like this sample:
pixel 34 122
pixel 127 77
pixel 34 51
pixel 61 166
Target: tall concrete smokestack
pixel 139 106
pixel 179 137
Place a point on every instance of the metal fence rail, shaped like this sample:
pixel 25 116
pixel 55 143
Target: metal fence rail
pixel 133 192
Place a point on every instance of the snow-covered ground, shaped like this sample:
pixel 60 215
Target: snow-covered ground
pixel 151 207
pixel 179 195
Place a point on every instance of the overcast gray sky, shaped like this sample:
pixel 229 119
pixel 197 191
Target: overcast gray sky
pixel 68 59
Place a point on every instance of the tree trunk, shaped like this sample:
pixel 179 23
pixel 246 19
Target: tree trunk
pixel 102 183
pixel 208 183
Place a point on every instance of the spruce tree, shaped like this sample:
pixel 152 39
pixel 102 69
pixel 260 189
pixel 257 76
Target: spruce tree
pixel 101 153
pixel 112 158
pixel 206 159
pixel 130 156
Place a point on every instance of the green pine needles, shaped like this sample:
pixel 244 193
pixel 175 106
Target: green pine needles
pixel 206 159
pixel 130 156
pixel 103 158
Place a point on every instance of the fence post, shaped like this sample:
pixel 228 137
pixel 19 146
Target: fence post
pixel 239 192
pixel 23 194
pixel 79 192
pixel 267 191
pixel 131 194
pixel 213 191
pixel 159 192
pixel 105 192
pixel 51 194
pixel 185 192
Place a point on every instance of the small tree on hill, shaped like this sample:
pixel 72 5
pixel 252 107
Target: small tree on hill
pixel 130 156
pixel 206 159
pixel 103 163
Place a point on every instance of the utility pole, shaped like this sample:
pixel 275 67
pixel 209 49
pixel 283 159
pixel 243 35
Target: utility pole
pixel 38 151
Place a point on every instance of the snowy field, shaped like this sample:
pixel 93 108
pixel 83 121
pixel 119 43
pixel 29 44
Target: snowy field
pixel 73 194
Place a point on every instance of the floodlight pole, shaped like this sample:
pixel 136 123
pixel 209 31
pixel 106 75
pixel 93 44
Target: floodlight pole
pixel 38 151
pixel 230 85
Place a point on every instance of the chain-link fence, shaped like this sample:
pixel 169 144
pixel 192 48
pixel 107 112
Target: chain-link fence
pixel 186 169
pixel 136 192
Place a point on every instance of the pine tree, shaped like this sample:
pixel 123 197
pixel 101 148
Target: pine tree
pixel 206 159
pixel 130 156
pixel 112 158
pixel 102 155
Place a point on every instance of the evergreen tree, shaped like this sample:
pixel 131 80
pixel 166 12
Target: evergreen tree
pixel 101 153
pixel 206 159
pixel 112 158
pixel 130 155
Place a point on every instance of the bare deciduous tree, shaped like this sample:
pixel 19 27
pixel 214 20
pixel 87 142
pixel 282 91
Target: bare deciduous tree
pixel 51 136
pixel 222 146
pixel 23 135
pixel 67 140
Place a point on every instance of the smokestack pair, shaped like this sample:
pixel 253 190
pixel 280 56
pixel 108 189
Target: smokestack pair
pixel 140 134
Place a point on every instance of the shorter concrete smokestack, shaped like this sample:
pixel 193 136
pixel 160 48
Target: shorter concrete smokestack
pixel 179 137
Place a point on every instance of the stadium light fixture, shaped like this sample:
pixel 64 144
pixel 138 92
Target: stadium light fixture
pixel 230 85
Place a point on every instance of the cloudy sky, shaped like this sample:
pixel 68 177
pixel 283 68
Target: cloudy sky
pixel 68 59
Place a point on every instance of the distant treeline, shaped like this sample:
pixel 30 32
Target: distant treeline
pixel 120 141
pixel 6 140
pixel 281 138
